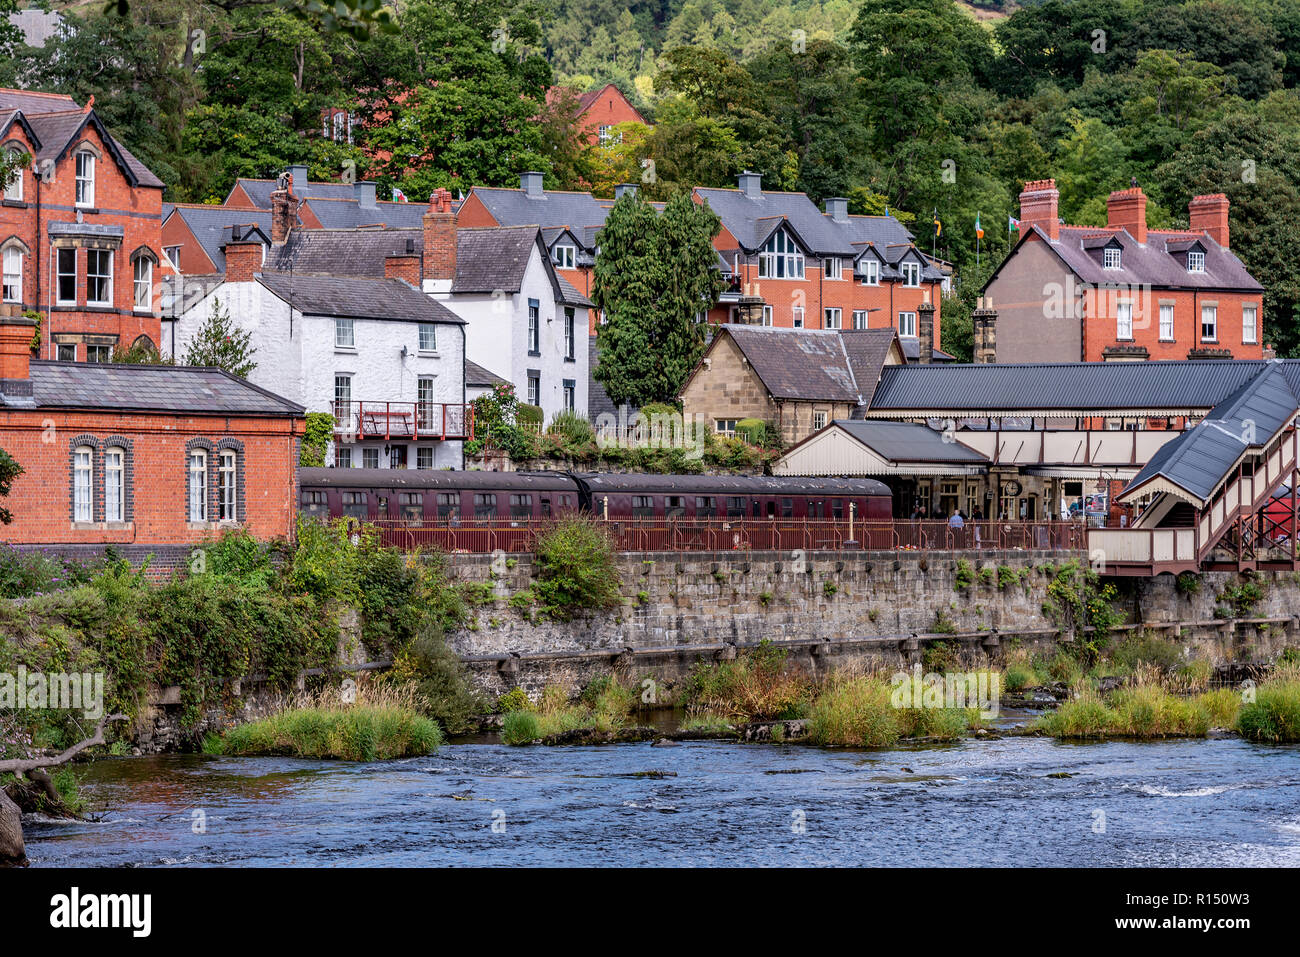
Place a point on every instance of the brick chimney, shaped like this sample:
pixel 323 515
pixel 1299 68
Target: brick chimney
pixel 985 320
pixel 403 267
pixel 440 239
pixel 1040 201
pixel 925 333
pixel 242 260
pixel 16 332
pixel 284 212
pixel 1209 214
pixel 1127 209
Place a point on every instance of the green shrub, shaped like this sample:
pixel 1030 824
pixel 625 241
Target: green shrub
pixel 1145 649
pixel 1274 715
pixel 965 575
pixel 530 415
pixel 577 568
pixel 753 431
pixel 855 712
pixel 521 727
pixel 516 699
pixel 1080 718
pixel 316 437
pixel 941 657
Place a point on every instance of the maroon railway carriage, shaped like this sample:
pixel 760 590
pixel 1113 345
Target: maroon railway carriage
pixel 733 497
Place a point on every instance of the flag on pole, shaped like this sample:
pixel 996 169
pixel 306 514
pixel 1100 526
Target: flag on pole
pixel 979 230
pixel 938 226
pixel 1013 224
pixel 399 196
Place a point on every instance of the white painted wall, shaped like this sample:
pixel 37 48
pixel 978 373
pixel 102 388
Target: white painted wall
pixel 497 337
pixel 296 358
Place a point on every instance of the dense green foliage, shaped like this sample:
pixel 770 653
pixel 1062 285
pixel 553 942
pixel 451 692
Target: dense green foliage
pixel 220 344
pixel 577 569
pixel 9 470
pixel 316 438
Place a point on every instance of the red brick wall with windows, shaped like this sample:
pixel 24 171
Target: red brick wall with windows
pixel 1100 329
pixel 52 198
pixel 194 261
pixel 43 440
pixel 608 107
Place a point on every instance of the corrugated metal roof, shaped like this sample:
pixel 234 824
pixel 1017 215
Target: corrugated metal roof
pixel 908 442
pixel 1200 459
pixel 606 483
pixel 1085 387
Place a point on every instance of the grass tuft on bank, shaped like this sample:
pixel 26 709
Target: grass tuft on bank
pixel 1274 715
pixel 605 705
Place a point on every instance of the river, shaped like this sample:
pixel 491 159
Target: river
pixel 974 803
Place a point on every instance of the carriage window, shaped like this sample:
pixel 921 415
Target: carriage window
pixel 837 509
pixel 643 506
pixel 813 510
pixel 314 503
pixel 521 506
pixel 354 504
pixel 448 504
pixel 706 506
pixel 771 509
pixel 787 508
pixel 674 506
pixel 485 505
pixel 383 507
pixel 412 506
pixel 735 506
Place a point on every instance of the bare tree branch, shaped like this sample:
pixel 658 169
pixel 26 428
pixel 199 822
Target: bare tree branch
pixel 22 766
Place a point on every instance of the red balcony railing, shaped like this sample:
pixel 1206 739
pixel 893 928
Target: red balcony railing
pixel 404 420
pixel 719 535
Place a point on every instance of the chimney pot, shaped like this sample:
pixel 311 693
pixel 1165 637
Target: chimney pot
pixel 1127 209
pixel 1209 215
pixel 1039 206
pixel 16 333
pixel 440 238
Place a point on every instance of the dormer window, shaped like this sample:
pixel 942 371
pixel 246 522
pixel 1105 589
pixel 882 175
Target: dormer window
pixel 85 178
pixel 780 258
pixel 1110 257
pixel 563 256
pixel 832 268
pixel 870 272
pixel 1196 261
pixel 911 273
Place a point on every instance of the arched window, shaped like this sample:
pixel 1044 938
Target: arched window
pixel 85 178
pixel 198 485
pixel 227 509
pixel 143 284
pixel 114 484
pixel 14 187
pixel 13 274
pixel 83 502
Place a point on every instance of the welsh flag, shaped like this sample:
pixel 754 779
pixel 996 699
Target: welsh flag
pixel 1013 224
pixel 399 196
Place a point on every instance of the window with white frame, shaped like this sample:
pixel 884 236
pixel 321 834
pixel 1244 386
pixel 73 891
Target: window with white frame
pixel 725 427
pixel 67 276
pixel 370 458
pixel 832 267
pixel 99 353
pixel 534 327
pixel 13 274
pixel 428 337
pixel 780 258
pixel 426 404
pixel 570 334
pixel 859 318
pixel 424 458
pixel 344 334
pixel 870 272
pixel 143 283
pixel 608 136
pixel 226 476
pixel 343 399
pixel 797 312
pixel 911 274
pixel 1167 322
pixel 1249 323
pixel 198 485
pixel 907 324
pixel 114 485
pixel 563 256
pixel 535 389
pixel 14 187
pixel 767 316
pixel 570 395
pixel 342 458
pixel 1124 320
pixel 85 178
pixel 99 277
pixel 1110 258
pixel 173 254
pixel 819 420
pixel 1210 322
pixel 83 467
pixel 833 318
pixel 1196 261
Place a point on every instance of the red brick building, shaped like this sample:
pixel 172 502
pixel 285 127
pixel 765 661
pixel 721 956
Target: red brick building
pixel 79 229
pixel 149 459
pixel 599 111
pixel 1120 292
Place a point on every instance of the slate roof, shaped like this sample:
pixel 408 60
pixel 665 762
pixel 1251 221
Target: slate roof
pixel 1080 387
pixel 1200 458
pixel 582 212
pixel 57 120
pixel 494 258
pixel 1153 264
pixel 908 442
pixel 33 102
pixel 912 351
pixel 807 364
pixel 259 190
pixel 350 297
pixel 210 225
pixel 342 252
pixel 753 219
pixel 475 374
pixel 867 350
pixel 348 213
pixel 124 387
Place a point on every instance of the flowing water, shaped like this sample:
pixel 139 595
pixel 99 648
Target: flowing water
pixel 979 803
